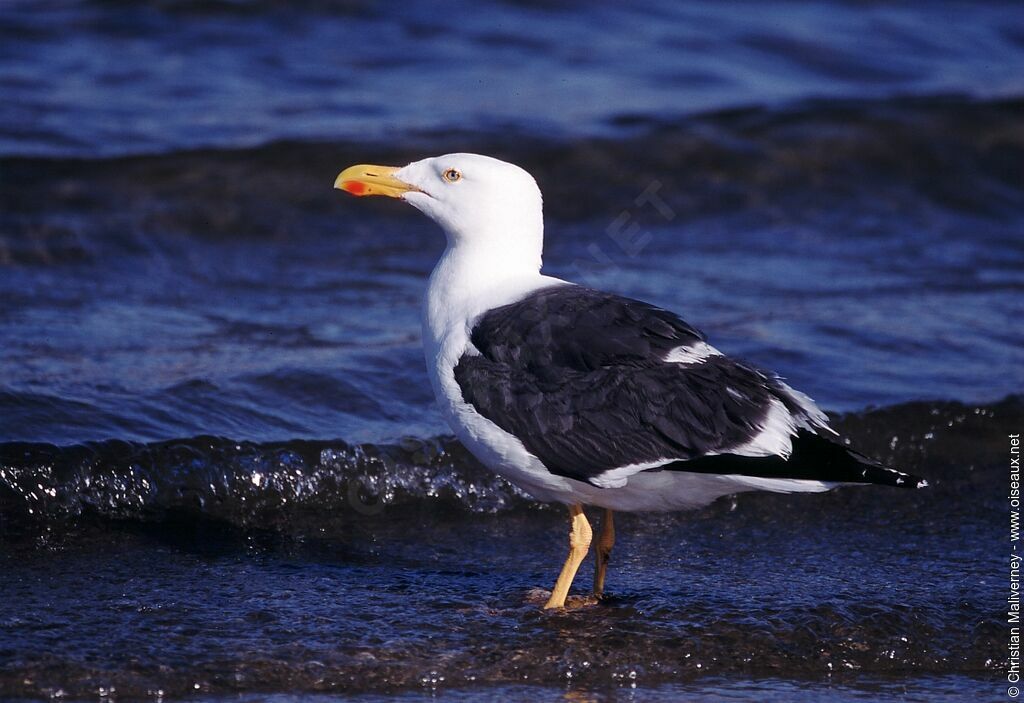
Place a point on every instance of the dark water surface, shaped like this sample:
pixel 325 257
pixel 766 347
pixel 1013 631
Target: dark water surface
pixel 205 567
pixel 221 469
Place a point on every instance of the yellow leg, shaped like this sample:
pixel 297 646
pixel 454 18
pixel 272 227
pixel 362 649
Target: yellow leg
pixel 604 551
pixel 580 535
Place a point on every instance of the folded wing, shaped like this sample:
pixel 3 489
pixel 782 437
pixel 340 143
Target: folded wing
pixel 599 387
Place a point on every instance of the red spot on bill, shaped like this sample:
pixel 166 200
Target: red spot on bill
pixel 354 187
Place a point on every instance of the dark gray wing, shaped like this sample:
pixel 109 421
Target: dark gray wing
pixel 581 378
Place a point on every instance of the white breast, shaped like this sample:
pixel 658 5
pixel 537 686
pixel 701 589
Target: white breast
pixel 455 298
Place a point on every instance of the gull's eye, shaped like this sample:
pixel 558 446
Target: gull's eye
pixel 452 175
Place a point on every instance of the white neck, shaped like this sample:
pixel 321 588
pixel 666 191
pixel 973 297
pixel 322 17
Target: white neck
pixel 469 280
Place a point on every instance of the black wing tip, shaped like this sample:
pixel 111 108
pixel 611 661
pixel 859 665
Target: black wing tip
pixel 875 472
pixel 886 476
pixel 814 458
pixel 911 481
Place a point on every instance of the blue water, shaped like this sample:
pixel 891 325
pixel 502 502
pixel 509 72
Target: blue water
pixel 91 78
pixel 218 448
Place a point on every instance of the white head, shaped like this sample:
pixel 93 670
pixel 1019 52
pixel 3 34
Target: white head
pixel 487 208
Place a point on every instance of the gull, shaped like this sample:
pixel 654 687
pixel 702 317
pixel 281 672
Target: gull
pixel 583 397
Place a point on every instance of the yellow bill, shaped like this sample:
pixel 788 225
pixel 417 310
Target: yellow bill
pixel 367 179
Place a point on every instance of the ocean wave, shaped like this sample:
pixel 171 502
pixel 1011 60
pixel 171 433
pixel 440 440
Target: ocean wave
pixel 819 154
pixel 317 487
pixel 243 483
